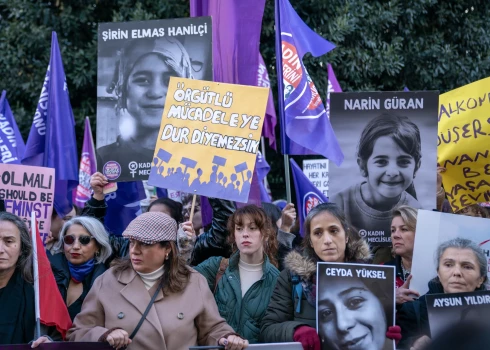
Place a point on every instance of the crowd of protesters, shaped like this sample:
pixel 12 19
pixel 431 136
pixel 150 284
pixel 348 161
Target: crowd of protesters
pixel 248 278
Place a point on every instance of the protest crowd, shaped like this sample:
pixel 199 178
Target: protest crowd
pixel 167 236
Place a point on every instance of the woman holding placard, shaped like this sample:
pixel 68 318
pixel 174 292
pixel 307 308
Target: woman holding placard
pixel 461 267
pixel 403 227
pixel 291 315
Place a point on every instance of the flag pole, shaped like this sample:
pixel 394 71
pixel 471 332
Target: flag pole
pixel 36 276
pixel 280 100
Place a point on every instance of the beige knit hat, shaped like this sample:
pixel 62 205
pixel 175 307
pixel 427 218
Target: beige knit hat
pixel 152 227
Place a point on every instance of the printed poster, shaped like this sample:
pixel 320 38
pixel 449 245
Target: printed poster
pixel 135 63
pixel 355 306
pixel 316 170
pixel 434 228
pixel 29 189
pixel 209 138
pixel 447 310
pixel 388 140
pixel 464 144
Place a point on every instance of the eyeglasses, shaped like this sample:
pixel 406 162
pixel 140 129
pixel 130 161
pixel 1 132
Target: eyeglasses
pixel 84 240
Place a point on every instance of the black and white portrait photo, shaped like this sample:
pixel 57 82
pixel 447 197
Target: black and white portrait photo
pixel 355 306
pixel 389 140
pixel 447 310
pixel 135 63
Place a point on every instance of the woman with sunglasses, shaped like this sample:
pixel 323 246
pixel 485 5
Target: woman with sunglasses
pixel 80 258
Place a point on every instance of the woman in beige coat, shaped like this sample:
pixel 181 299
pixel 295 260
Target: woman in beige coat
pixel 181 309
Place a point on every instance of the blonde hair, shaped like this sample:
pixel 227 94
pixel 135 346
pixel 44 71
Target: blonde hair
pixel 408 215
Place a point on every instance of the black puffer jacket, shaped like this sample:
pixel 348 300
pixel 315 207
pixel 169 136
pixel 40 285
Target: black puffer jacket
pixel 214 241
pixel 284 314
pixel 208 244
pixel 413 318
pixel 61 273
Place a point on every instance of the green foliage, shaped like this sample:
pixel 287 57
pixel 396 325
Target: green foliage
pixel 381 45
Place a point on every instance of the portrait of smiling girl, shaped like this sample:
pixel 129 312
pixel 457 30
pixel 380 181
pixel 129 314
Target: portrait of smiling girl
pixel 389 154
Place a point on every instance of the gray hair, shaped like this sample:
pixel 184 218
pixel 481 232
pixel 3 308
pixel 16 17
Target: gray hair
pixel 463 243
pixel 24 262
pixel 95 228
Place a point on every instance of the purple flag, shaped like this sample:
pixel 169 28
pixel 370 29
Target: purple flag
pixel 262 168
pixel 88 167
pixel 236 38
pixel 270 121
pixel 405 89
pixel 333 86
pixel 302 112
pixel 52 141
pixel 206 211
pixel 307 195
pixel 12 145
pixel 123 205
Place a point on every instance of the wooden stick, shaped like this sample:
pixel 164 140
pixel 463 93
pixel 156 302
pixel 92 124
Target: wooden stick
pixel 192 207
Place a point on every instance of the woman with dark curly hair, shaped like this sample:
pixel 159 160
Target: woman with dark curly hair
pixel 249 276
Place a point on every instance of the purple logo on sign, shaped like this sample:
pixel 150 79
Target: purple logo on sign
pixel 310 200
pixel 112 170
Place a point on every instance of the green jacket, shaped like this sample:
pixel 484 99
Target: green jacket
pixel 245 314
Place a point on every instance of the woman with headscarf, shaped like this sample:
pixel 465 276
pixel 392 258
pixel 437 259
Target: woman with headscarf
pixel 81 254
pixel 461 267
pixel 140 83
pixel 152 299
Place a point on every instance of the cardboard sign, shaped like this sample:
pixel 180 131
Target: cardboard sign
pixel 209 138
pixel 316 170
pixel 135 60
pixel 434 228
pixel 357 294
pixel 464 144
pixel 446 310
pixel 28 189
pixel 390 149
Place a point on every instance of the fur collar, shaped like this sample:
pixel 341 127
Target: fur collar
pixel 304 266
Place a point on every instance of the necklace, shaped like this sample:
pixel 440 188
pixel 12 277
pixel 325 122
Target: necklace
pixel 405 272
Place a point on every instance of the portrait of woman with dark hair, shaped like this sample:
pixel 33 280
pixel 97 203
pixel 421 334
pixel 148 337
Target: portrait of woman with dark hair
pixel 354 312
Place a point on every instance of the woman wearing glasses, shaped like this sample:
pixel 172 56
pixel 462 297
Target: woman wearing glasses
pixel 80 258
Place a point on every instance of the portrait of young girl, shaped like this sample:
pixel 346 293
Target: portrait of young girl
pixel 389 154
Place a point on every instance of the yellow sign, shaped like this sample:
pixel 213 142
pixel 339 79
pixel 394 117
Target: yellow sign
pixel 209 138
pixel 464 143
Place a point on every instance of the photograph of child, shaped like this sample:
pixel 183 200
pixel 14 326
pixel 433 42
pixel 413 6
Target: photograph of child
pixel 393 162
pixel 133 77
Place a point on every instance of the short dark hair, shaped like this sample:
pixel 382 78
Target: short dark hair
pixel 174 207
pixel 402 131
